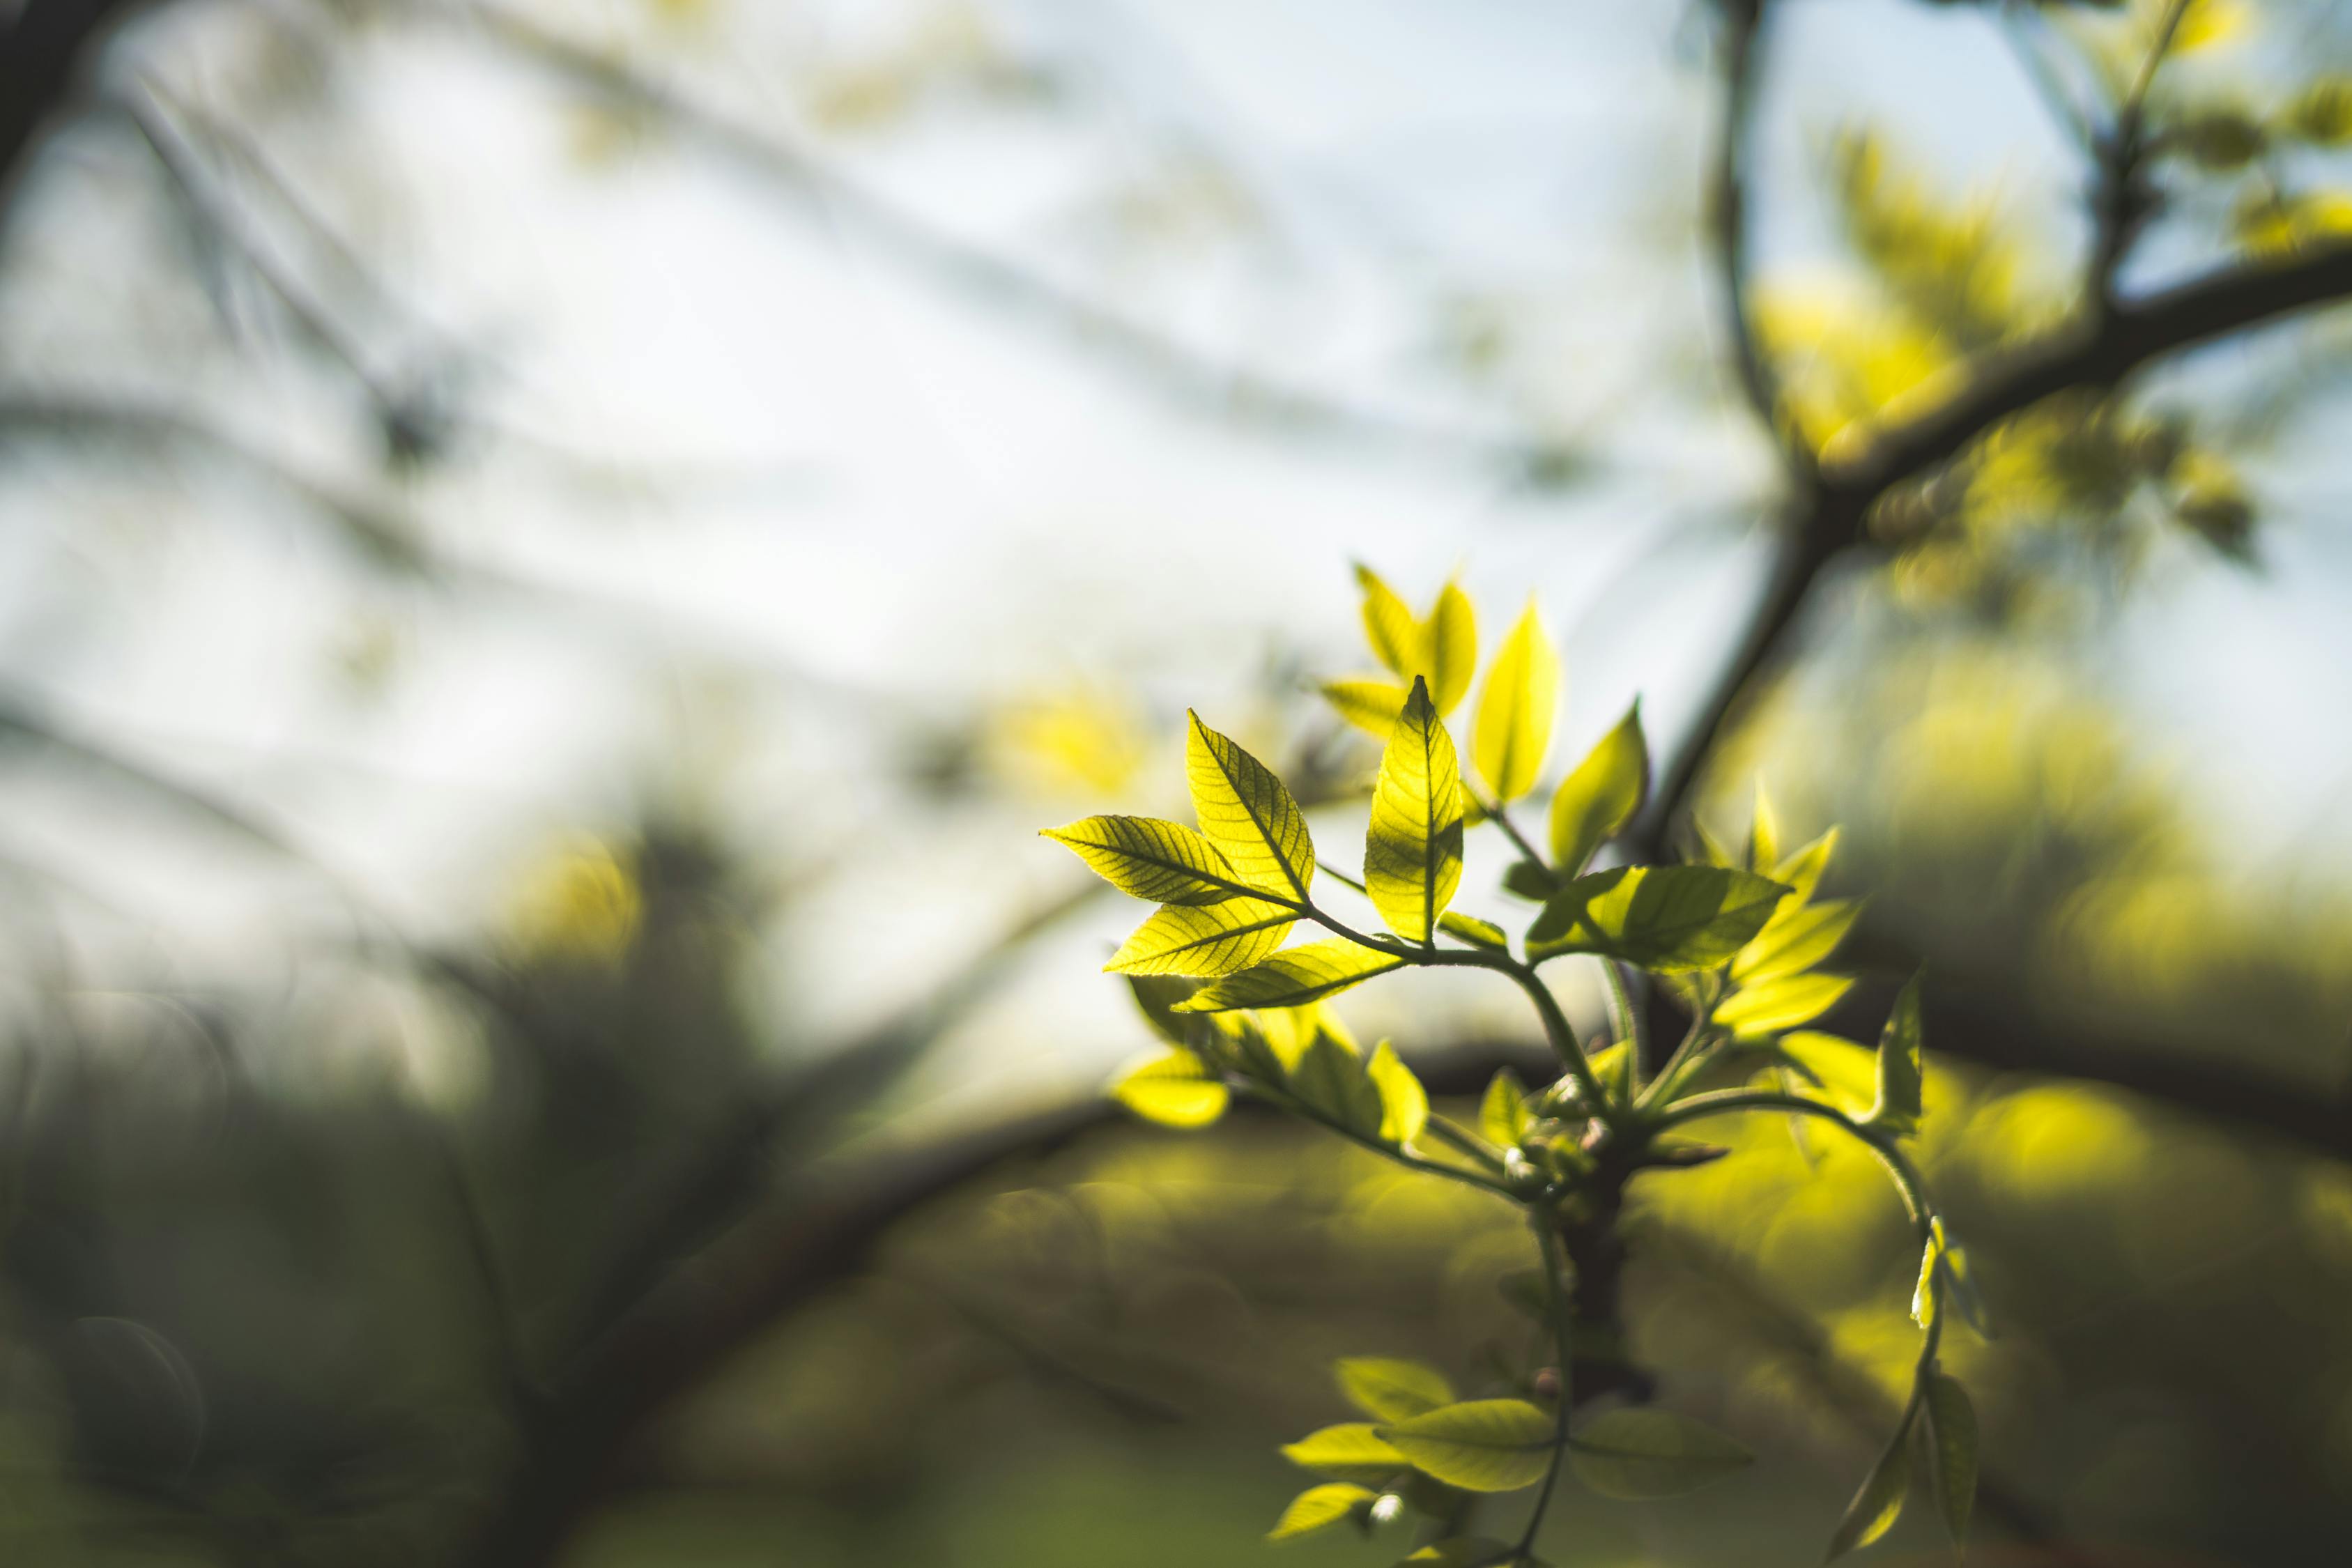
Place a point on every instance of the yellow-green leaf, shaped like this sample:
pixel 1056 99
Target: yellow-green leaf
pixel 1247 814
pixel 1513 729
pixel 1204 939
pixel 1901 1071
pixel 1952 1452
pixel 1391 1389
pixel 1469 1552
pixel 1290 1030
pixel 1502 1115
pixel 1755 1011
pixel 1175 1090
pixel 1369 705
pixel 1391 626
pixel 1318 1508
pixel 1879 1503
pixel 1412 851
pixel 1405 1104
pixel 1294 977
pixel 1926 1300
pixel 1797 937
pixel 1165 862
pixel 1668 919
pixel 1802 871
pixel 1648 1453
pixel 1156 997
pixel 1601 795
pixel 1330 1080
pixel 1480 1445
pixel 1451 635
pixel 1474 930
pixel 1352 1451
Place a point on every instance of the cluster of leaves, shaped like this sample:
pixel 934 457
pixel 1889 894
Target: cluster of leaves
pixel 1736 939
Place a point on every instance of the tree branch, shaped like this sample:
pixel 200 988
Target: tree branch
pixel 41 51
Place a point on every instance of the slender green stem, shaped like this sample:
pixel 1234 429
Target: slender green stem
pixel 1690 1054
pixel 1501 816
pixel 1564 1348
pixel 1729 1101
pixel 1386 1150
pixel 1342 877
pixel 1463 1143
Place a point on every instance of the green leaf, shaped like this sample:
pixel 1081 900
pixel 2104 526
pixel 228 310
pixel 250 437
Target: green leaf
pixel 1802 871
pixel 1959 1279
pixel 1318 1508
pixel 1475 932
pixel 1879 1503
pixel 1175 1090
pixel 1467 1552
pixel 1663 918
pixel 1764 835
pixel 1413 852
pixel 1452 638
pixel 1952 1452
pixel 1480 1445
pixel 1530 881
pixel 1294 977
pixel 1783 1004
pixel 1513 729
pixel 1645 1453
pixel 1393 1389
pixel 1502 1115
pixel 1204 939
pixel 1156 997
pixel 1331 1079
pixel 1352 1451
pixel 1797 937
pixel 1391 627
pixel 1901 1072
pixel 1405 1104
pixel 1165 862
pixel 1924 1301
pixel 1247 813
pixel 1369 705
pixel 1601 795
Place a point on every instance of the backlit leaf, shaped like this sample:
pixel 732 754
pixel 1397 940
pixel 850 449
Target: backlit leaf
pixel 1925 1298
pixel 1175 1090
pixel 1405 1104
pixel 1451 635
pixel 1530 881
pixel 1474 930
pixel 1879 1503
pixel 1294 977
pixel 1204 939
pixel 1156 997
pixel 1502 1115
pixel 1369 705
pixel 1802 871
pixel 1764 835
pixel 1951 1451
pixel 1663 918
pixel 1512 733
pixel 1318 1508
pixel 1412 851
pixel 1901 1072
pixel 1352 1451
pixel 1392 1390
pixel 1480 1445
pixel 1797 937
pixel 1290 1030
pixel 1777 1004
pixel 1330 1080
pixel 1647 1453
pixel 1247 814
pixel 1165 862
pixel 1601 795
pixel 1391 626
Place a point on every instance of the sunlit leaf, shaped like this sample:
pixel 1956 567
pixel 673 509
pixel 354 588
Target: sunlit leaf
pixel 1901 1073
pixel 1925 1298
pixel 1530 881
pixel 1174 1091
pixel 1412 851
pixel 1204 939
pixel 1156 997
pixel 1502 1115
pixel 1480 1445
pixel 1648 1453
pixel 1452 638
pixel 1369 705
pixel 1165 862
pixel 1661 918
pixel 1959 1279
pixel 1391 626
pixel 1764 835
pixel 1951 1451
pixel 1247 814
pixel 1330 1080
pixel 1405 1104
pixel 1294 977
pixel 1474 930
pixel 1290 1030
pixel 1320 1508
pixel 1797 937
pixel 1777 1004
pixel 1601 795
pixel 1512 733
pixel 1352 1451
pixel 1879 1503
pixel 1802 871
pixel 1392 1390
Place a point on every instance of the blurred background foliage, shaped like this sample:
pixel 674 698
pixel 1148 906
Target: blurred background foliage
pixel 555 555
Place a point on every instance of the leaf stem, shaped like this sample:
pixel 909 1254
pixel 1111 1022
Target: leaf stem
pixel 1501 816
pixel 1463 1141
pixel 1727 1101
pixel 1563 1349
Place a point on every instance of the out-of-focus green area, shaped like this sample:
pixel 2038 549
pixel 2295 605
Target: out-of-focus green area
pixel 556 559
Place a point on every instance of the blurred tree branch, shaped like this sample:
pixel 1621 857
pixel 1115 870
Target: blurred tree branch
pixel 42 48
